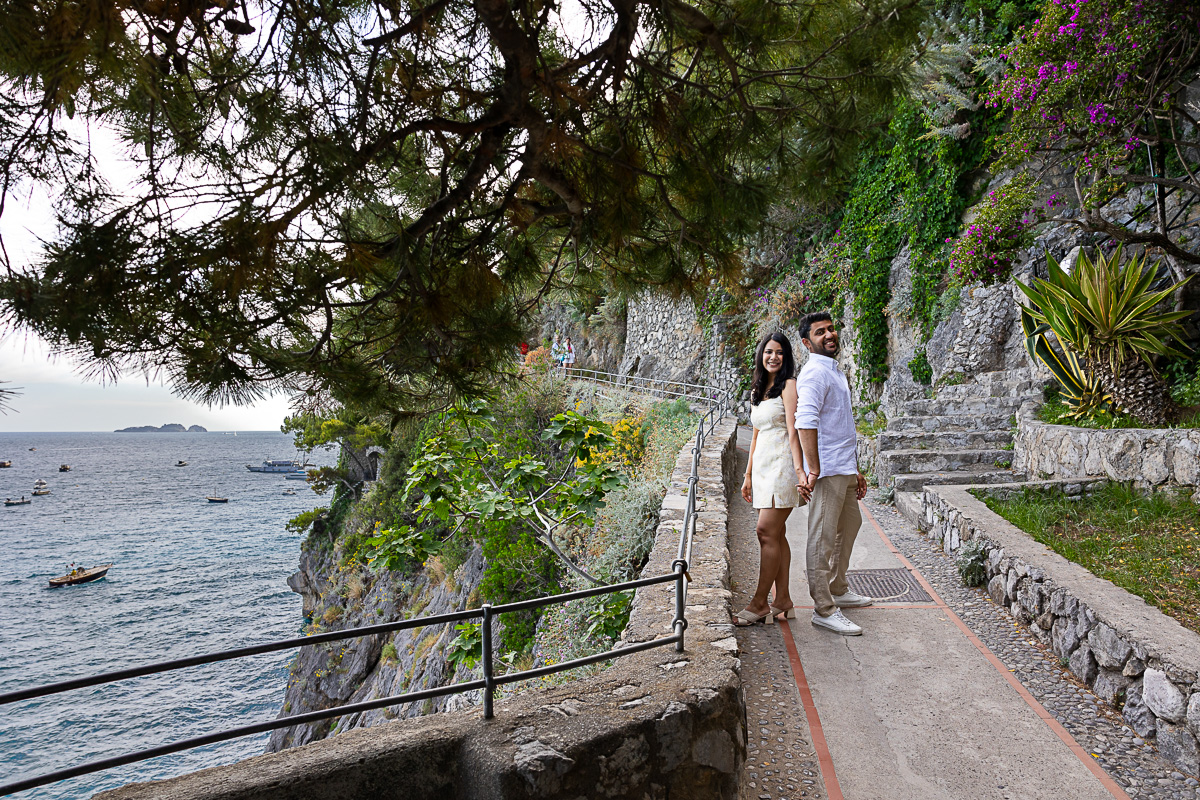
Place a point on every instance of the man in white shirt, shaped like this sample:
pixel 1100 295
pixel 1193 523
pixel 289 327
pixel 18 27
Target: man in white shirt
pixel 828 441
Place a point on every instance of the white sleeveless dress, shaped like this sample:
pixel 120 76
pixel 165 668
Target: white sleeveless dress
pixel 772 476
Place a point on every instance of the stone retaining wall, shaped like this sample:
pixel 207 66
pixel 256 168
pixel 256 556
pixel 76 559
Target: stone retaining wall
pixel 1136 658
pixel 653 725
pixel 1147 457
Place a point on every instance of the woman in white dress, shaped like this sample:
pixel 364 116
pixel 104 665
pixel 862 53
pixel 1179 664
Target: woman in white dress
pixel 772 475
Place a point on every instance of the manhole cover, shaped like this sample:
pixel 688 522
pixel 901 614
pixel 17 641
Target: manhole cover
pixel 887 585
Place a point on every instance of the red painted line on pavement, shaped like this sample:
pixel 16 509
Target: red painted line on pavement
pixel 1105 779
pixel 810 711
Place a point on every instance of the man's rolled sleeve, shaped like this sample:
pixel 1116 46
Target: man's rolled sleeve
pixel 809 395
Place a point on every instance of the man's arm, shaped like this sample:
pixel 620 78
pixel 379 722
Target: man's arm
pixel 809 399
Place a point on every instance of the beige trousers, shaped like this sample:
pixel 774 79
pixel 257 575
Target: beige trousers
pixel 833 521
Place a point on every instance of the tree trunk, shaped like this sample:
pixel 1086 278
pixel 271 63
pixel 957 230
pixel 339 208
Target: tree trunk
pixel 1137 391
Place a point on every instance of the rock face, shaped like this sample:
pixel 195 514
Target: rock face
pixel 324 676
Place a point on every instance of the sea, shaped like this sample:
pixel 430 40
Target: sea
pixel 188 577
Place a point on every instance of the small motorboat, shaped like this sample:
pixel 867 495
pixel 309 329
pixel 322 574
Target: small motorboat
pixel 81 575
pixel 289 491
pixel 40 488
pixel 181 463
pixel 24 501
pixel 5 464
pixel 64 467
pixel 298 475
pixel 32 449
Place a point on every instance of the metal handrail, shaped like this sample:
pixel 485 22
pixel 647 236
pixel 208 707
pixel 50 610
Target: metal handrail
pixel 719 405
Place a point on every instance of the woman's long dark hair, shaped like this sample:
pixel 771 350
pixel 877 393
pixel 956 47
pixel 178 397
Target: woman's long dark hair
pixel 758 384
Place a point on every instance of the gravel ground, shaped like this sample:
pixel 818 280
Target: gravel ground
pixel 780 762
pixel 1131 761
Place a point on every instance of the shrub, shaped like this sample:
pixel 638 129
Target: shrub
pixel 467 648
pixel 1004 225
pixel 921 371
pixel 972 563
pixel 611 615
pixel 388 654
pixel 539 361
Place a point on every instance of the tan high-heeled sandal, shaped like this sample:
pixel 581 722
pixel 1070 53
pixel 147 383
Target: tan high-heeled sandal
pixel 745 618
pixel 788 613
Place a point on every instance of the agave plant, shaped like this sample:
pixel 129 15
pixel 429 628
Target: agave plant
pixel 1105 311
pixel 1082 394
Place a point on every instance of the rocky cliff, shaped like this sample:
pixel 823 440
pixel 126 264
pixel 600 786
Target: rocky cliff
pixel 339 595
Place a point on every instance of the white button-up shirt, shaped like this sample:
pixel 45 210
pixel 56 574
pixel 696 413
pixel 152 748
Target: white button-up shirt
pixel 823 403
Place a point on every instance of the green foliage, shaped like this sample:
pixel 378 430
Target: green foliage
pixel 388 654
pixel 611 615
pixel 305 519
pixel 972 562
pixel 1104 309
pixel 402 548
pixel 869 419
pixel 1080 392
pixel 907 193
pixel 466 649
pixel 921 371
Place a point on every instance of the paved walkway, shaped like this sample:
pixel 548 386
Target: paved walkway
pixel 919 707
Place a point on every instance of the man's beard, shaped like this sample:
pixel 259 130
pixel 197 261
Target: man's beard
pixel 825 351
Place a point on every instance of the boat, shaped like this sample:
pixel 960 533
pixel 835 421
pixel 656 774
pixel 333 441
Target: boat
pixel 24 501
pixel 40 488
pixel 214 499
pixel 289 491
pixel 181 463
pixel 32 449
pixel 81 575
pixel 276 465
pixel 64 467
pixel 298 475
pixel 5 464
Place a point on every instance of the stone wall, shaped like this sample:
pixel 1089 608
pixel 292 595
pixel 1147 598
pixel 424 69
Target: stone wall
pixel 1147 457
pixel 1139 660
pixel 655 724
pixel 665 339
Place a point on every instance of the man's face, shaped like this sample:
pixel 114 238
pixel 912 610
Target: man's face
pixel 822 338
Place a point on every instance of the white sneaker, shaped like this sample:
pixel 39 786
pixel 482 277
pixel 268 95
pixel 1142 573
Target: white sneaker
pixel 852 599
pixel 838 623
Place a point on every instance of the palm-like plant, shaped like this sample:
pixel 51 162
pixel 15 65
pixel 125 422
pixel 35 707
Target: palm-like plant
pixel 1082 394
pixel 1105 311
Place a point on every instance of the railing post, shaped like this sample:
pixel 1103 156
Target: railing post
pixel 680 623
pixel 489 681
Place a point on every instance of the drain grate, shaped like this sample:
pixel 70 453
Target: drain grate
pixel 887 585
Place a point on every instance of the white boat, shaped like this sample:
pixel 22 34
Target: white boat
pixel 40 488
pixel 276 465
pixel 299 475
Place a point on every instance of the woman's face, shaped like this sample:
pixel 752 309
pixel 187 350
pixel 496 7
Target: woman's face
pixel 773 357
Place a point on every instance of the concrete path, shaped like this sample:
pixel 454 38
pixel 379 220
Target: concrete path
pixel 917 707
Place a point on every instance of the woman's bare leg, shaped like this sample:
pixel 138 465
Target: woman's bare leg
pixel 783 593
pixel 770 529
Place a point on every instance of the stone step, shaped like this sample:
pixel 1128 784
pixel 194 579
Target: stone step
pixel 939 407
pixel 944 440
pixel 951 422
pixel 1005 389
pixel 910 506
pixel 896 462
pixel 914 482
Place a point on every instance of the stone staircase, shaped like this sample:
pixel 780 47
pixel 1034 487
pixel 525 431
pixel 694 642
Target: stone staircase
pixel 963 435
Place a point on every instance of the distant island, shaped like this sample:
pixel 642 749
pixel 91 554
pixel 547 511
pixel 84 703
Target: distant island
pixel 171 427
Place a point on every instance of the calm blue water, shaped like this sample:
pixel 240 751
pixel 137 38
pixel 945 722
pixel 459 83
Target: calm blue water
pixel 189 577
